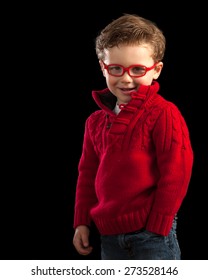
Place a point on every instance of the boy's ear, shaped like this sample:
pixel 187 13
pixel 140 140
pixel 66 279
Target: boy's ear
pixel 102 67
pixel 158 70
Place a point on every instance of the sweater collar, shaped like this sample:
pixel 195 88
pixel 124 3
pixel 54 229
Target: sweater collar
pixel 107 101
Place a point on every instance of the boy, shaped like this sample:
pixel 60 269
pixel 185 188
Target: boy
pixel 137 158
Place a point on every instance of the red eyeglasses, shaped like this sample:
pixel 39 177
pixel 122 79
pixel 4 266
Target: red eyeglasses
pixel 134 71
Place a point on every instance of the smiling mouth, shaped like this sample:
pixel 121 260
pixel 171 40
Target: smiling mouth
pixel 127 90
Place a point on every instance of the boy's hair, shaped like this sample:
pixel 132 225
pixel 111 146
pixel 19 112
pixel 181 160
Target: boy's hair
pixel 131 30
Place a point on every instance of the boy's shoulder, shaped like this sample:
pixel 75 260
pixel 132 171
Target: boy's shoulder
pixel 97 114
pixel 96 117
pixel 165 104
pixel 164 109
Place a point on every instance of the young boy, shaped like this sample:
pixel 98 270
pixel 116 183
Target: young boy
pixel 137 158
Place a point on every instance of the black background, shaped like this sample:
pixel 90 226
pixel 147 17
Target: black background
pixel 47 101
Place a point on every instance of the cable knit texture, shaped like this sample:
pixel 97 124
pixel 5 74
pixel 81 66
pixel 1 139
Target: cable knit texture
pixel 135 167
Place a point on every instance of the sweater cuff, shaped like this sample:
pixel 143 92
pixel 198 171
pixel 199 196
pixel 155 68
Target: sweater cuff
pixel 159 223
pixel 81 218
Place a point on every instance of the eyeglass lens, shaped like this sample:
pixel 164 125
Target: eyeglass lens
pixel 132 71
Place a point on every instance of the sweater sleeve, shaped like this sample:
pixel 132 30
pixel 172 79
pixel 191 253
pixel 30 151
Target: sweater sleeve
pixel 85 196
pixel 175 162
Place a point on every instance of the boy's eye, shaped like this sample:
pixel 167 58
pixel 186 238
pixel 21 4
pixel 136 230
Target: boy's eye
pixel 138 70
pixel 115 69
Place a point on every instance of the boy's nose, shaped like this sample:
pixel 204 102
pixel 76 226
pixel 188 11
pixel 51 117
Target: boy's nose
pixel 126 76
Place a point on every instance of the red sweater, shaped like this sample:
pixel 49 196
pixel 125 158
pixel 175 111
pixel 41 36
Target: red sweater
pixel 135 167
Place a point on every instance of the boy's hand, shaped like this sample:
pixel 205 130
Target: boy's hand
pixel 81 240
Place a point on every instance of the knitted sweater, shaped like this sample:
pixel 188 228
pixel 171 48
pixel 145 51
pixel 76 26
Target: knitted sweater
pixel 135 167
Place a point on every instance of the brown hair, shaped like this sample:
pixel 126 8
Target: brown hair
pixel 131 30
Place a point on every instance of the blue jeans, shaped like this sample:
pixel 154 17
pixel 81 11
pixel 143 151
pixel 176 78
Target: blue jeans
pixel 141 245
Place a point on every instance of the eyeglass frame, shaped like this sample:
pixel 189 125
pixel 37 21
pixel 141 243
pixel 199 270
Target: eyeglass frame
pixel 126 69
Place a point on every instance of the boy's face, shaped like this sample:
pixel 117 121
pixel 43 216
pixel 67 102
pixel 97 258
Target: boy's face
pixel 126 56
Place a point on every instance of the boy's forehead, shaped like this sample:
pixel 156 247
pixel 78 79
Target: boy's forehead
pixel 129 56
pixel 134 51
